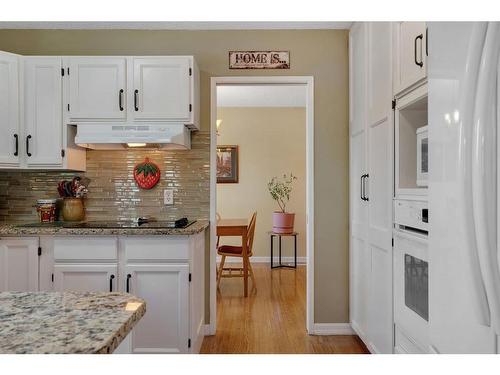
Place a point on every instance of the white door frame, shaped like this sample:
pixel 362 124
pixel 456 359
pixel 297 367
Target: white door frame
pixel 308 81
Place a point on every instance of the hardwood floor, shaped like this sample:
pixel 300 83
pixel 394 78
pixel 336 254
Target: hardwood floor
pixel 271 319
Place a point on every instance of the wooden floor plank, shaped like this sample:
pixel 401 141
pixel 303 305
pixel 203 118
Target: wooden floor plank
pixel 272 319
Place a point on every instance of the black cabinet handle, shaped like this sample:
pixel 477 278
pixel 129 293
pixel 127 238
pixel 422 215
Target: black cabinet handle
pixel 136 92
pixel 361 193
pixel 120 100
pixel 111 282
pixel 366 178
pixel 419 63
pixel 16 137
pixel 129 276
pixel 426 41
pixel 28 145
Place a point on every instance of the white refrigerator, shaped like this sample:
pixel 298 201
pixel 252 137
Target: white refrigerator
pixel 464 113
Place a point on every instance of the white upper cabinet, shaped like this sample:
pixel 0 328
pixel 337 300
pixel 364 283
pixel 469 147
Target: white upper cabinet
pixel 410 54
pixel 42 111
pixel 19 264
pixel 97 88
pixel 162 89
pixel 9 110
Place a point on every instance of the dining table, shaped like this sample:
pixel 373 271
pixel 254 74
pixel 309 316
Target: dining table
pixel 237 228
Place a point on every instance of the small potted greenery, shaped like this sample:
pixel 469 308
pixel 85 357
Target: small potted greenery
pixel 280 190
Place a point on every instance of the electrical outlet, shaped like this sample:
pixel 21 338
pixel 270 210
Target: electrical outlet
pixel 168 197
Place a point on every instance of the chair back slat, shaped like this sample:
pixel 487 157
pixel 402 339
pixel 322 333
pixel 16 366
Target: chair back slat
pixel 251 232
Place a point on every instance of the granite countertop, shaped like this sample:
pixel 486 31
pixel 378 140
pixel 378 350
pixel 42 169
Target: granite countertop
pixel 67 322
pixel 13 229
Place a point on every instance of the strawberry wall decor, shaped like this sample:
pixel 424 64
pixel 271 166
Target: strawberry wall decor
pixel 146 174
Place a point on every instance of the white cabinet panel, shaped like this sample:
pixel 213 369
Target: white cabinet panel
pixel 42 110
pixel 98 249
pixel 371 156
pixel 410 54
pixel 97 87
pixel 380 300
pixel 19 264
pixel 86 277
pixel 359 286
pixel 379 88
pixel 357 77
pixel 9 110
pixel 357 170
pixel 162 89
pixel 165 288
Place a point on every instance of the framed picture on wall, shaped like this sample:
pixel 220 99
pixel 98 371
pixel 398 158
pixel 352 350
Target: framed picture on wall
pixel 227 164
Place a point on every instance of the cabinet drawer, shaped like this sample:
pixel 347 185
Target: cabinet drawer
pixel 85 248
pixel 147 248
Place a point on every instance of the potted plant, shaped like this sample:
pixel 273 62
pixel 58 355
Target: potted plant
pixel 280 190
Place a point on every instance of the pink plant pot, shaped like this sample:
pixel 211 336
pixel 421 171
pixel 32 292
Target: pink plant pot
pixel 283 222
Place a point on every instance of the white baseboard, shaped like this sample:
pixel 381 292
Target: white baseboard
pixel 332 329
pixel 300 260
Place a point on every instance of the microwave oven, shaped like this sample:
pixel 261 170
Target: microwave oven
pixel 422 156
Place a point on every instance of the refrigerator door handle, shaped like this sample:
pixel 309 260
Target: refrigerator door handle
pixel 483 164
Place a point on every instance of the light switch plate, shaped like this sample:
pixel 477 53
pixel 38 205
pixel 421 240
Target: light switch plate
pixel 168 197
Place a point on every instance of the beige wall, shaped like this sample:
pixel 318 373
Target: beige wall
pixel 271 141
pixel 319 53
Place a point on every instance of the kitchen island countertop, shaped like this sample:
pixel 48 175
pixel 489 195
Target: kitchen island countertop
pixel 66 322
pixel 13 229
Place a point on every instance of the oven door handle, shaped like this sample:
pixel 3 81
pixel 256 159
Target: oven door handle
pixel 484 190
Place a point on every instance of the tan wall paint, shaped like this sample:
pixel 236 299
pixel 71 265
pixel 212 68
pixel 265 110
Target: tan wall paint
pixel 319 53
pixel 271 141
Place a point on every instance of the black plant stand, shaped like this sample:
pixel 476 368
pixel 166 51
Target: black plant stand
pixel 279 235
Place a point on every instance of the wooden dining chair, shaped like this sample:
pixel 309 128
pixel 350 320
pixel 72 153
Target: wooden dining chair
pixel 237 251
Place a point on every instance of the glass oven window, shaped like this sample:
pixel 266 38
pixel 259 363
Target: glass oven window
pixel 417 285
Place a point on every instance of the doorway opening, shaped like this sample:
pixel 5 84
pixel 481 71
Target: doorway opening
pixel 256 121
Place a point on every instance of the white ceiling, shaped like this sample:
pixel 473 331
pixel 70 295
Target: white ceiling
pixel 177 25
pixel 261 96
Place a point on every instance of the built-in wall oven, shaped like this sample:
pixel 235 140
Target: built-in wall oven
pixel 411 276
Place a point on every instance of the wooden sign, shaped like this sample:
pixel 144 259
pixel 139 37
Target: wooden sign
pixel 259 60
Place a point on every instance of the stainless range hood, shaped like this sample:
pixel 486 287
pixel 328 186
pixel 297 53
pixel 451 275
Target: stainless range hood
pixel 99 136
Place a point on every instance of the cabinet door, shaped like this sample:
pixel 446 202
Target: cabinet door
pixel 86 277
pixel 43 111
pixel 19 264
pixel 165 288
pixel 97 88
pixel 359 258
pixel 411 54
pixel 380 187
pixel 162 89
pixel 9 110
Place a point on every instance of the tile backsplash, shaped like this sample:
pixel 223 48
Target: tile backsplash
pixel 113 193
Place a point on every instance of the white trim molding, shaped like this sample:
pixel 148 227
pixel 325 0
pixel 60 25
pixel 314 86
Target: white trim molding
pixel 332 329
pixel 308 82
pixel 169 25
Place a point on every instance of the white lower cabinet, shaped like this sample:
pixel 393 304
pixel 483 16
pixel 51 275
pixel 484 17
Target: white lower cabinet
pixel 19 264
pixel 86 277
pixel 165 288
pixel 166 271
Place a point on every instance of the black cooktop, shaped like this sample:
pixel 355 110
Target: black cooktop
pixel 140 223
